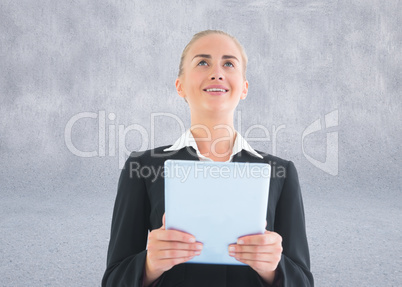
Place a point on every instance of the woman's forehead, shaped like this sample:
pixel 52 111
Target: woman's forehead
pixel 214 44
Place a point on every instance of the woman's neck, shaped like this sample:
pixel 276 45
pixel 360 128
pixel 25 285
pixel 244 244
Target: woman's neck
pixel 214 138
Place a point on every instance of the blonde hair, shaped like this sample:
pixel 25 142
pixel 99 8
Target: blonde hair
pixel 211 32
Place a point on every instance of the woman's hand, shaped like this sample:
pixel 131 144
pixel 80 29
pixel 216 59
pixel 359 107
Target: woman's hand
pixel 261 252
pixel 167 248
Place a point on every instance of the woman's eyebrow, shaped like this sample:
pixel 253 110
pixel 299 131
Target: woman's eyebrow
pixel 230 57
pixel 202 56
pixel 209 57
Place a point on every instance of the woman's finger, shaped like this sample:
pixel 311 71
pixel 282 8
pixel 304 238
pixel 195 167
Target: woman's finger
pixel 163 222
pixel 166 245
pixel 263 257
pixel 171 235
pixel 235 248
pixel 260 239
pixel 174 253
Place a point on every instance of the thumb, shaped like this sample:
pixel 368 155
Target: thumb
pixel 163 222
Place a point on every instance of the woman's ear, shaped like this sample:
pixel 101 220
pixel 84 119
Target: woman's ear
pixel 179 88
pixel 245 90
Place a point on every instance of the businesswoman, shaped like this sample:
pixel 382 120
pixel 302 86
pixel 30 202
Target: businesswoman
pixel 212 80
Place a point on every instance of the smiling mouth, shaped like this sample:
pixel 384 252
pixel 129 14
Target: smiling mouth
pixel 216 90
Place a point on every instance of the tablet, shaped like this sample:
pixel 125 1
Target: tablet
pixel 217 202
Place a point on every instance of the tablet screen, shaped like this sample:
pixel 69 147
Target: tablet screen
pixel 217 202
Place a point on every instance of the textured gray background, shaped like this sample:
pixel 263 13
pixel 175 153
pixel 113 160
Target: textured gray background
pixel 307 58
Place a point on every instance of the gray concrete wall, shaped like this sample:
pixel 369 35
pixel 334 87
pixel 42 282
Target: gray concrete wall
pixel 324 80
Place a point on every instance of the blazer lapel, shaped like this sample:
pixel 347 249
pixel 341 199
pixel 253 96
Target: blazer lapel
pixel 191 153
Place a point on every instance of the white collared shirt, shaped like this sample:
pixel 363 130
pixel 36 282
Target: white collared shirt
pixel 187 139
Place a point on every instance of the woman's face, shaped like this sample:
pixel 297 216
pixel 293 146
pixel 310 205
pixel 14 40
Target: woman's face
pixel 212 79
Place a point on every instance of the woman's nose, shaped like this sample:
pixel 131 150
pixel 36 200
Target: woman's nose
pixel 217 74
pixel 217 77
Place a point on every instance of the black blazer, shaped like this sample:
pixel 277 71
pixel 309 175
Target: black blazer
pixel 139 207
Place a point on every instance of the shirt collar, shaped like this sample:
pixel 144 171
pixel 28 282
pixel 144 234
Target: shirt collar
pixel 187 139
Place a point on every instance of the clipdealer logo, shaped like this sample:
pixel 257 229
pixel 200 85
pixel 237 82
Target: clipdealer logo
pixel 204 170
pixel 330 165
pixel 112 137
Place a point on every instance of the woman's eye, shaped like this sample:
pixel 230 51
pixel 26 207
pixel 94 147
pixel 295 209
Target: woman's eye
pixel 229 64
pixel 202 63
